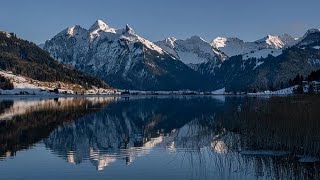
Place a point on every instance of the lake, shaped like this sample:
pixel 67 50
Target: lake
pixel 160 137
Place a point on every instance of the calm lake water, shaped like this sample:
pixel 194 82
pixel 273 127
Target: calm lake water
pixel 160 137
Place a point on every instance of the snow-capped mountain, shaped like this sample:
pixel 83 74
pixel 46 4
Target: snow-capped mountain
pixel 193 51
pixel 274 65
pixel 311 37
pixel 235 46
pixel 122 58
pixel 276 42
pixel 126 60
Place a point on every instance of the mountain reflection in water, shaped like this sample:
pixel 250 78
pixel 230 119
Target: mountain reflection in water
pixel 222 137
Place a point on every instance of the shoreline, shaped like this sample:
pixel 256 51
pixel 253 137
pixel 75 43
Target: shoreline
pixel 3 96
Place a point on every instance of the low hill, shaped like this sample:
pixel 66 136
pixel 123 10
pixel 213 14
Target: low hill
pixel 27 59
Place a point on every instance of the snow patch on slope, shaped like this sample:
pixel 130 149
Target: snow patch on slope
pixel 192 51
pixel 285 91
pixel 219 91
pixel 25 85
pixel 264 53
pixel 258 63
pixel 21 83
pixel 230 46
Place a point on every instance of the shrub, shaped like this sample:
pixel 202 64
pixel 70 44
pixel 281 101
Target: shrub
pixel 5 83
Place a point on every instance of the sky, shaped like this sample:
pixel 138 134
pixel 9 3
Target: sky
pixel 40 20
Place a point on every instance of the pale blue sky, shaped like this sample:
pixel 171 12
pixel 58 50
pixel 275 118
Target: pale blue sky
pixel 39 20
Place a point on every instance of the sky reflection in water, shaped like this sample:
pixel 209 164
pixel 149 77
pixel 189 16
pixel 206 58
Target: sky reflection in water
pixel 160 137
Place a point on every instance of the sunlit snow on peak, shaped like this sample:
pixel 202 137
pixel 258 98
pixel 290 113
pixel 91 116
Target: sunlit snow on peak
pixel 99 24
pixel 129 29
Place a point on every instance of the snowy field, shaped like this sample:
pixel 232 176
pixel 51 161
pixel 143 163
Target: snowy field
pixel 27 86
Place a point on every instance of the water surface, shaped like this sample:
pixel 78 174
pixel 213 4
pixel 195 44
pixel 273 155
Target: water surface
pixel 182 137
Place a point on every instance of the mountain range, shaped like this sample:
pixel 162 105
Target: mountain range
pixel 126 60
pixel 122 58
pixel 271 67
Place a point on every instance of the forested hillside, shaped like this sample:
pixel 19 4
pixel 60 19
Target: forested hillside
pixel 27 59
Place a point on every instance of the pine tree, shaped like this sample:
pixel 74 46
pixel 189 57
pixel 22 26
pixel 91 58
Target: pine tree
pixel 298 90
pixel 311 89
pixel 291 82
